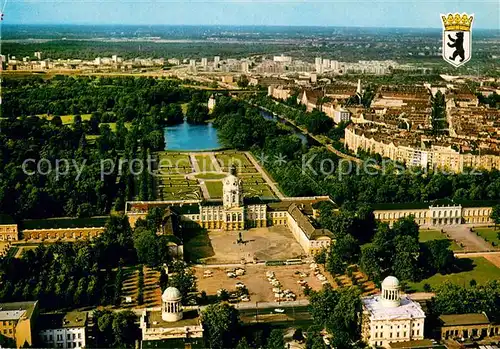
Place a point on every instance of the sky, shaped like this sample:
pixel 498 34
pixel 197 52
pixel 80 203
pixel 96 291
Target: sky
pixel 374 13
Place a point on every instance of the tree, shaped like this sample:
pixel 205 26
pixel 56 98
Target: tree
pixel 243 344
pixel 185 281
pixel 146 246
pixel 342 253
pixel 437 256
pixel 370 262
pixel 243 81
pixel 276 340
pixel 337 311
pixel 222 325
pixel 495 215
pixel 196 113
pixel 406 258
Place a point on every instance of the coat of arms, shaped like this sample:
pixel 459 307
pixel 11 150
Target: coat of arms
pixel 457 38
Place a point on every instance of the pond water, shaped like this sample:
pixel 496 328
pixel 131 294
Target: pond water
pixel 191 137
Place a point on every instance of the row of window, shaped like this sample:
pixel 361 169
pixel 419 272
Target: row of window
pixel 60 337
pixel 9 331
pixel 405 333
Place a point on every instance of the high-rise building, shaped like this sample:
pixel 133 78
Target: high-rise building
pixel 204 62
pixel 319 65
pixel 216 61
pixel 244 67
pixel 38 55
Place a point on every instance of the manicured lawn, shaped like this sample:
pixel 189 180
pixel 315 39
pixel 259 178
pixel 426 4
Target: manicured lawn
pixel 171 159
pixel 214 189
pixel 179 192
pixel 171 163
pixel 428 235
pixel 258 190
pixel 64 223
pixel 489 234
pixel 228 158
pixel 211 175
pixel 477 268
pixel 205 163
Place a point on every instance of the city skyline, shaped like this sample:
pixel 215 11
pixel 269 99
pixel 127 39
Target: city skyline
pixel 388 14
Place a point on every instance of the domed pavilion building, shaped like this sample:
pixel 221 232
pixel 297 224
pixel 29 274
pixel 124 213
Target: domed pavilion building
pixel 391 317
pixel 171 323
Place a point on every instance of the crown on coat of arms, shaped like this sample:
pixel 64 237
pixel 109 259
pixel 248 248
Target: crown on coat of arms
pixel 457 21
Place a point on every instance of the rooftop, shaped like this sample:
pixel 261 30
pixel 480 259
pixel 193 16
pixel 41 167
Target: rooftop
pixel 62 320
pixel 464 319
pixel 154 320
pixel 408 309
pixel 16 310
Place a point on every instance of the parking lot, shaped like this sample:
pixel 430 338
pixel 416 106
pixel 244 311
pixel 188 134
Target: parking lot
pixel 255 280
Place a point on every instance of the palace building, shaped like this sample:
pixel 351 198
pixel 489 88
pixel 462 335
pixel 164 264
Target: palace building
pixel 391 317
pixel 437 213
pixel 236 212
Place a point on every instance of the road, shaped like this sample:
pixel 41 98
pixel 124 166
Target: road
pixel 470 240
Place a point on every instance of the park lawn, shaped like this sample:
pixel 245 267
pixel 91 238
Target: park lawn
pixel 112 125
pixel 66 119
pixel 53 223
pixel 489 234
pixel 211 175
pixel 166 181
pixel 205 163
pixel 171 164
pixel 255 180
pixel 214 189
pixel 428 235
pixel 226 159
pixel 482 271
pixel 258 190
pixel 180 192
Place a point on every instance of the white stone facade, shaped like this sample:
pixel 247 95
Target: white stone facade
pixel 390 317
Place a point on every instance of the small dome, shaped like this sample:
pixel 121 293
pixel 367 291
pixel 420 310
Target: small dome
pixel 390 282
pixel 171 294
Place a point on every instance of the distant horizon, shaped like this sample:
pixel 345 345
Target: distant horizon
pixel 225 25
pixel 273 13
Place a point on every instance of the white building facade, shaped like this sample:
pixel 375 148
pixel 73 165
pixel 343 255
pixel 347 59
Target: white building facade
pixel 390 317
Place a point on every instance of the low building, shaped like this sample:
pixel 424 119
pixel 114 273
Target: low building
pixel 458 326
pixel 391 317
pixel 17 322
pixel 63 330
pixel 8 228
pixel 171 322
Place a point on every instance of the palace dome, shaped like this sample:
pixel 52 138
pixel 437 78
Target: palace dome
pixel 390 282
pixel 171 294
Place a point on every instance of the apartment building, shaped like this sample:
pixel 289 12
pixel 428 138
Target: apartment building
pixel 63 330
pixel 17 322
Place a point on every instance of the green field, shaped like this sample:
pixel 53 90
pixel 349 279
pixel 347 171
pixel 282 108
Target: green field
pixel 205 163
pixel 66 119
pixel 214 189
pixel 428 235
pixel 170 163
pixel 226 159
pixel 489 234
pixel 209 175
pixel 258 190
pixel 179 192
pixel 478 269
pixel 53 223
